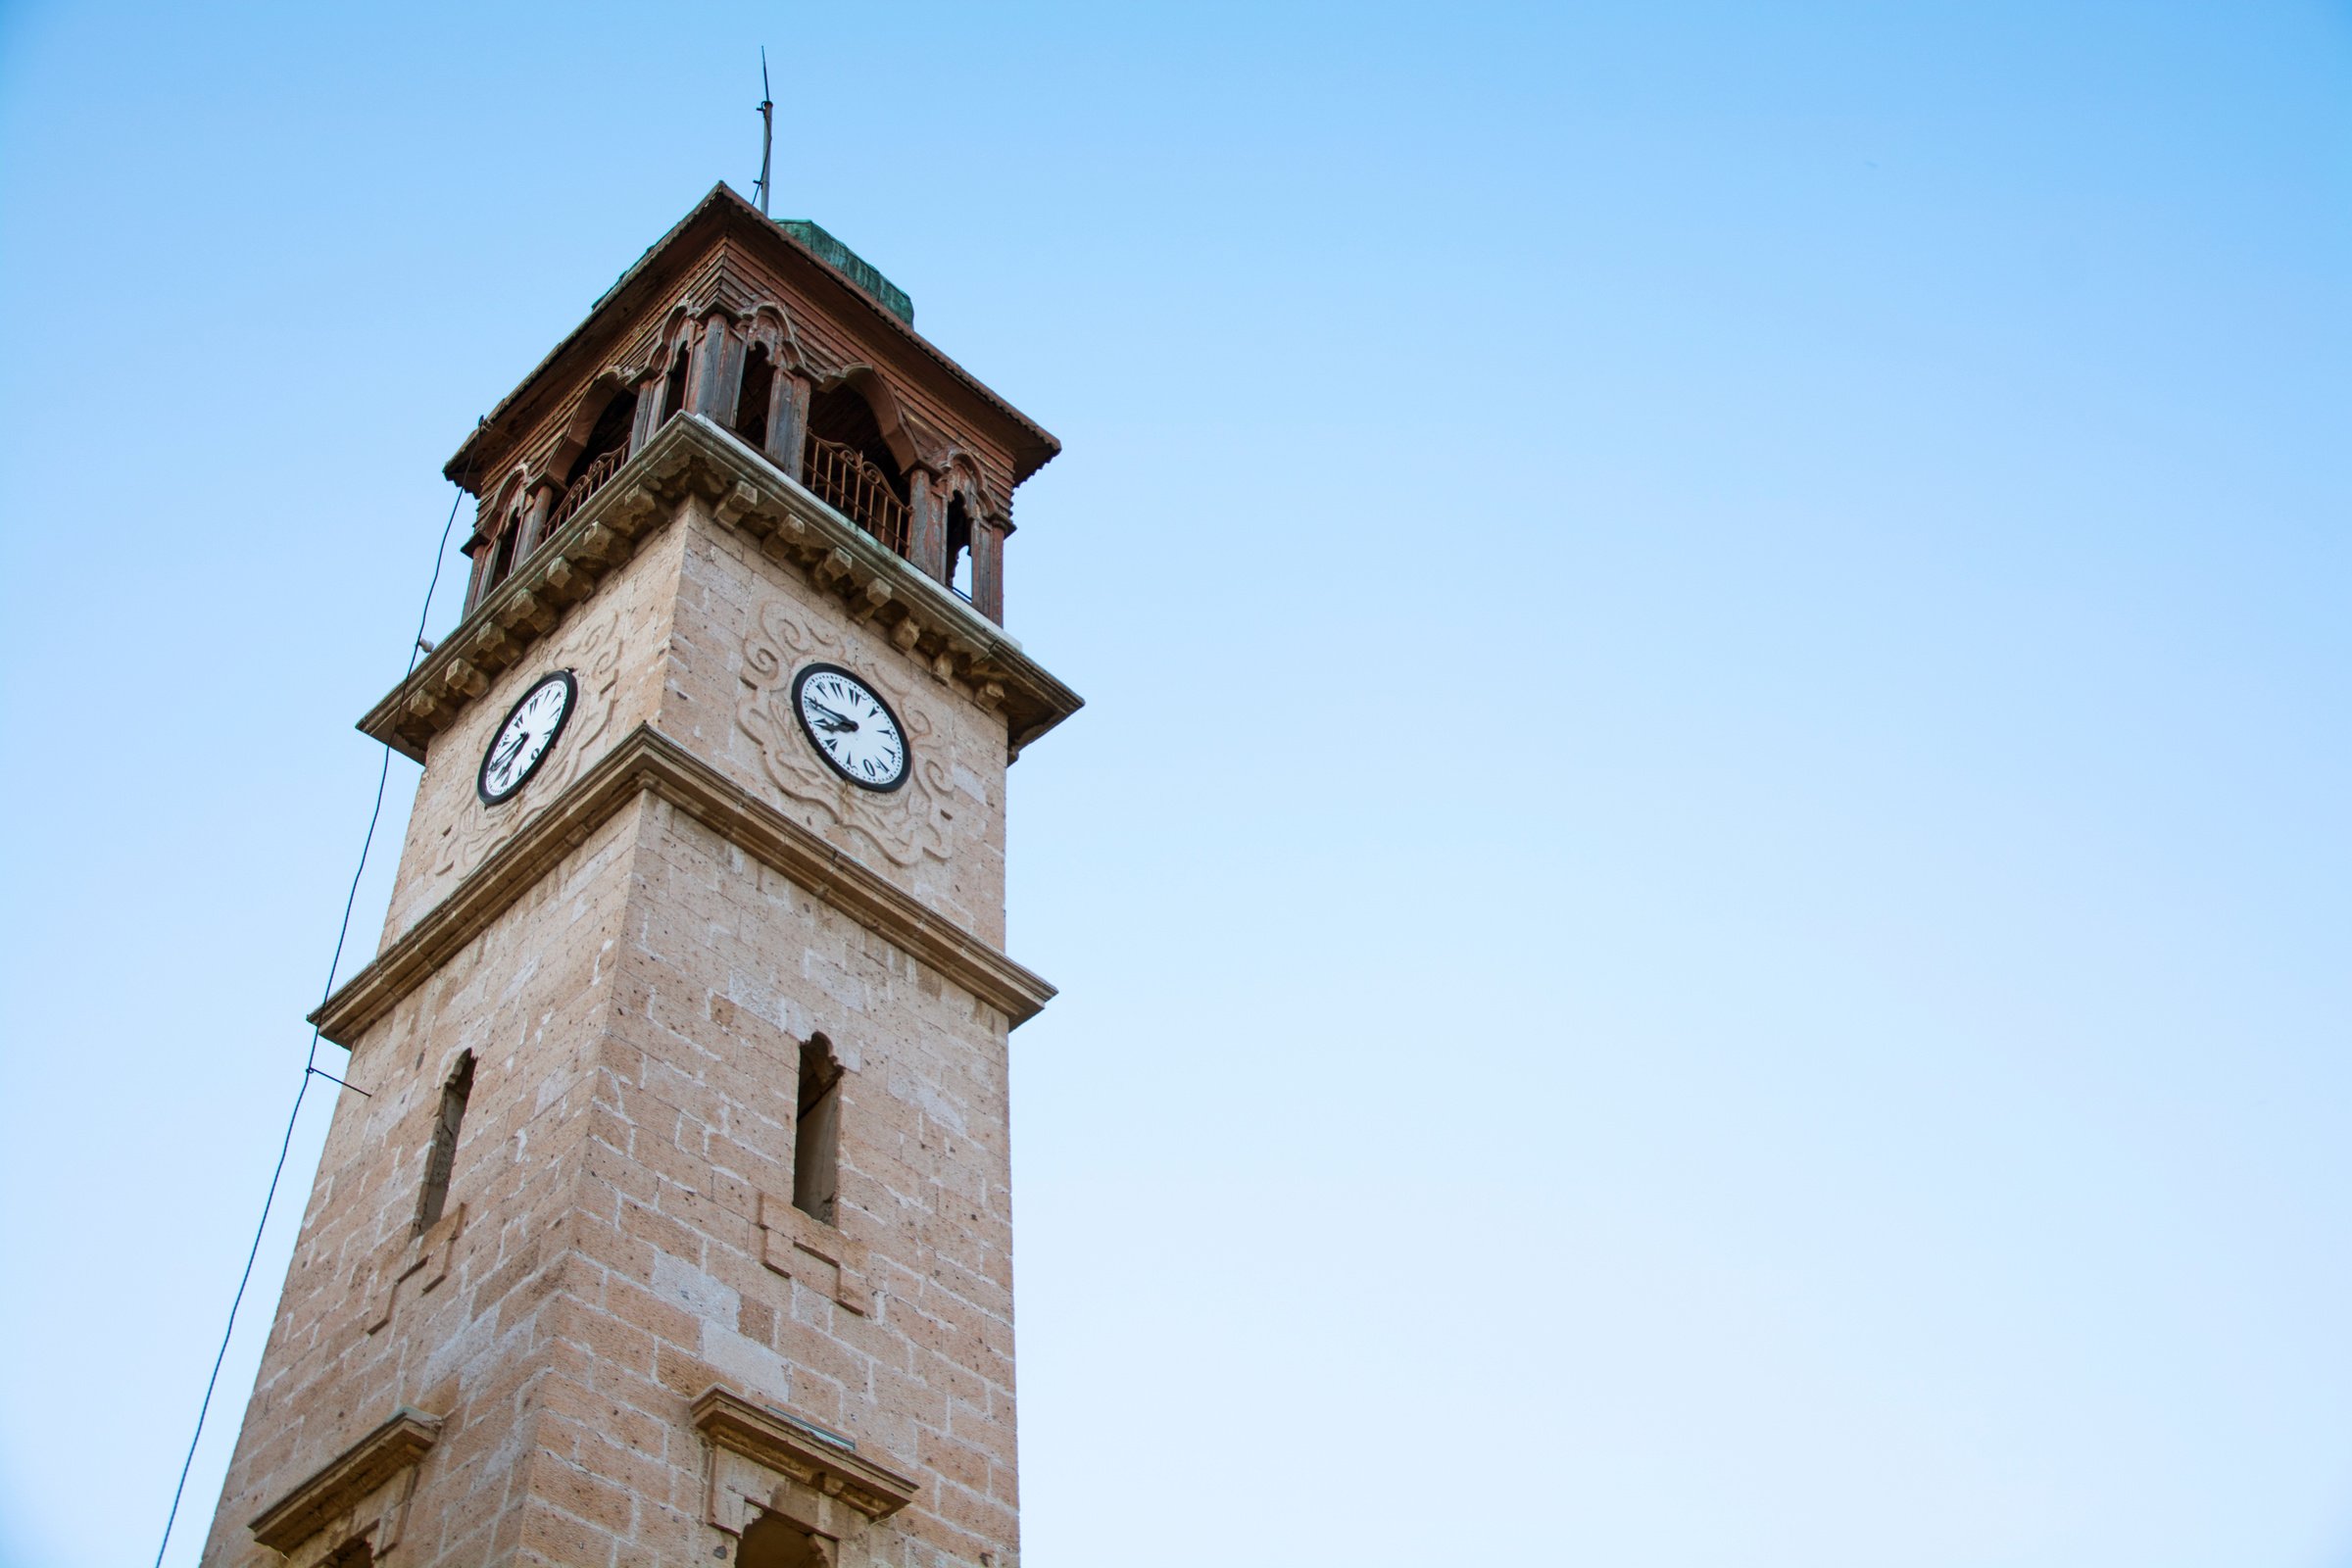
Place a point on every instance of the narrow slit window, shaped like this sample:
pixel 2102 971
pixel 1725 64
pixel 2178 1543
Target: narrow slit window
pixel 453 1093
pixel 816 1132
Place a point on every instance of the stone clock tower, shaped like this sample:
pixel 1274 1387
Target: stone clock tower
pixel 677 1228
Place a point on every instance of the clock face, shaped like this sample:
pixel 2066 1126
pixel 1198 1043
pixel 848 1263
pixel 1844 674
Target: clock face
pixel 851 726
pixel 523 740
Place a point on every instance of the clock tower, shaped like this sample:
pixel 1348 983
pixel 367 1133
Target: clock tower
pixel 676 1225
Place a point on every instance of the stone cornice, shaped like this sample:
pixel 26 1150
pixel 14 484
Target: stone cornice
pixel 786 1447
pixel 344 1483
pixel 647 761
pixel 689 455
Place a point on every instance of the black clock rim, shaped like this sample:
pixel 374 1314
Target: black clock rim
pixel 906 746
pixel 572 700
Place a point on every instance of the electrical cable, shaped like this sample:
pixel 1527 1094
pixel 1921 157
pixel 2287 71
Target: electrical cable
pixel 310 1068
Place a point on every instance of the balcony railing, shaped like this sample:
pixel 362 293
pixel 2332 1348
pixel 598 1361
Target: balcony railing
pixel 846 480
pixel 576 495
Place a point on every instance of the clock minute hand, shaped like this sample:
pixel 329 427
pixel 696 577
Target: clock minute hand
pixel 840 722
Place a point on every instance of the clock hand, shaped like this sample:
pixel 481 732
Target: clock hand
pixel 840 722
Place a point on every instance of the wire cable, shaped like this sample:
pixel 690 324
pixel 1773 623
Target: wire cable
pixel 310 1065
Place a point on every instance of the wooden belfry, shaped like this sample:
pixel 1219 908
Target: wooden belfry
pixel 677 1228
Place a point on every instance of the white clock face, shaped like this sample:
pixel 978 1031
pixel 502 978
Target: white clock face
pixel 852 727
pixel 526 737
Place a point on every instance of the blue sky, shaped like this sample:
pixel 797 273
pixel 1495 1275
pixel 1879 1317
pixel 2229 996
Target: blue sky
pixel 1703 902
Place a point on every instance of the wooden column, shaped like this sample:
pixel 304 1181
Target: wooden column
pixel 648 387
pixel 988 568
pixel 788 420
pixel 543 494
pixel 483 549
pixel 477 558
pixel 718 371
pixel 927 524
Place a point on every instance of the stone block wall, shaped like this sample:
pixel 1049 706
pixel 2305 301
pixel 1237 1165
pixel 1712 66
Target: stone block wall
pixel 741 627
pixel 457 1322
pixel 611 640
pixel 619 1235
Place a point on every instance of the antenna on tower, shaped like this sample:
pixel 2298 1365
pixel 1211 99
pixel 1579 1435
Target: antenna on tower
pixel 767 131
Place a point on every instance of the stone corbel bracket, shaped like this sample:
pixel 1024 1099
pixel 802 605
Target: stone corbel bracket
pixel 362 1493
pixel 560 572
pixel 690 455
pixel 764 1459
pixel 801 1246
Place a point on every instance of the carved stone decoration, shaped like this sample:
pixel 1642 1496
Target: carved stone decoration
pixel 597 662
pixel 689 453
pixel 360 1496
pixel 431 1254
pixel 801 1246
pixel 903 826
pixel 762 1460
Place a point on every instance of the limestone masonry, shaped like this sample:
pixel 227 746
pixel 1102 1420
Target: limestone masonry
pixel 679 1228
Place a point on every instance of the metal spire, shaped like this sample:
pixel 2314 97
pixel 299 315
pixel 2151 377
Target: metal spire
pixel 767 131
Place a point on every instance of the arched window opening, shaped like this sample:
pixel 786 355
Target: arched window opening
pixel 752 402
pixel 846 461
pixel 771 1543
pixel 444 1152
pixel 959 548
pixel 601 457
pixel 609 434
pixel 816 1132
pixel 673 385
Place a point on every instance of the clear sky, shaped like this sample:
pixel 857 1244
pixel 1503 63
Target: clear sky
pixel 1704 901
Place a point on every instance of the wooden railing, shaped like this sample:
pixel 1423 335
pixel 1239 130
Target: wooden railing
pixel 848 481
pixel 576 495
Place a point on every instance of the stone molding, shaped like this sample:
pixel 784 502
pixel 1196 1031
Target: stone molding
pixel 689 455
pixel 792 1451
pixel 335 1494
pixel 646 761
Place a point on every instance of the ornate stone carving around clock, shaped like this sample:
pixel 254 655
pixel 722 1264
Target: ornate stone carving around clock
pixel 903 825
pixel 596 669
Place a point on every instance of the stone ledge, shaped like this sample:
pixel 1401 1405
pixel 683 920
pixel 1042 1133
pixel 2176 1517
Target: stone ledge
pixel 344 1483
pixel 769 1439
pixel 648 762
pixel 689 455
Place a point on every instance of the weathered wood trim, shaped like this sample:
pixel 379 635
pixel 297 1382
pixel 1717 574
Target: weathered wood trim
pixel 762 1436
pixel 345 1481
pixel 721 217
pixel 748 493
pixel 648 762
